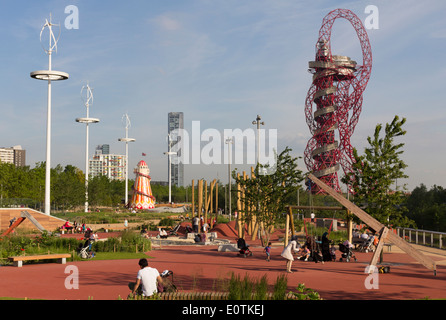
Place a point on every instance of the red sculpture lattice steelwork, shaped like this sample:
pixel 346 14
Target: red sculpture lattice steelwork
pixel 334 102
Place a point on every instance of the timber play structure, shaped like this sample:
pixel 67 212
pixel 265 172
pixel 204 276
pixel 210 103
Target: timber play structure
pixel 204 205
pixel 381 230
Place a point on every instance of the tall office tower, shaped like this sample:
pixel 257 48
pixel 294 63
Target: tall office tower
pixel 175 121
pixel 15 155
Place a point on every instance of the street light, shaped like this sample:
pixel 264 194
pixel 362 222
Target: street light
pixel 169 153
pixel 49 75
pixel 258 123
pixel 126 121
pixel 229 141
pixel 88 100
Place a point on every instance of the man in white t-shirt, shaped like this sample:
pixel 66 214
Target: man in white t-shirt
pixel 148 278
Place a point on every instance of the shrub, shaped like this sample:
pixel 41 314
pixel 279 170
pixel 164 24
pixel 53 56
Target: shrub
pixel 280 287
pixel 129 242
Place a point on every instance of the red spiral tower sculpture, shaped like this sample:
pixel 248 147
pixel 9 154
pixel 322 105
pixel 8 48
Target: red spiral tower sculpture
pixel 334 101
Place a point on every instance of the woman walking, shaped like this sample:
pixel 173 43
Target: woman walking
pixel 288 252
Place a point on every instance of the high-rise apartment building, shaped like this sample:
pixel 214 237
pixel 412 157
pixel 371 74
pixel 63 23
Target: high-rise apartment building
pixel 15 155
pixel 175 120
pixel 106 164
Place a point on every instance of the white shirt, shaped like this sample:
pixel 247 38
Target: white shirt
pixel 287 253
pixel 148 280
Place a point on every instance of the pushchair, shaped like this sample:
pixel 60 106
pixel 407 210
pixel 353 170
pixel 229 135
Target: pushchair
pixel 84 250
pixel 244 248
pixel 174 231
pixel 347 252
pixel 168 285
pixel 367 245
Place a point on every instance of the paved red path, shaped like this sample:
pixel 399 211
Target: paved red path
pixel 203 268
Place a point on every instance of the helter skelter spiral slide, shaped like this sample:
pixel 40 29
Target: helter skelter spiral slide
pixel 334 102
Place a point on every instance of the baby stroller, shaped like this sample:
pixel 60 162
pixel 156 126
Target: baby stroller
pixel 244 248
pixel 347 252
pixel 84 250
pixel 367 245
pixel 168 285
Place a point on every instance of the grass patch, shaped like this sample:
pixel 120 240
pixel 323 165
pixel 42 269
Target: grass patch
pixel 118 256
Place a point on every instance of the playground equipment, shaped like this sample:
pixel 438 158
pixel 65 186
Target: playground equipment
pixel 247 220
pixel 208 206
pixel 142 197
pixel 378 227
pixel 23 216
pixel 336 91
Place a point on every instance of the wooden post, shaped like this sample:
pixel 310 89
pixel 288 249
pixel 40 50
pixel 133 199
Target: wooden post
pixel 290 213
pixel 211 225
pixel 206 203
pixel 216 198
pixel 254 210
pixel 193 200
pixel 349 226
pixel 239 209
pixel 287 230
pixel 379 249
pixel 245 210
pixel 200 202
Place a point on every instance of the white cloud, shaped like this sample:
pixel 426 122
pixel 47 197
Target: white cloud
pixel 167 23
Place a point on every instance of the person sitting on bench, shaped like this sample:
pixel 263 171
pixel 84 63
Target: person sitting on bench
pixel 163 234
pixel 67 226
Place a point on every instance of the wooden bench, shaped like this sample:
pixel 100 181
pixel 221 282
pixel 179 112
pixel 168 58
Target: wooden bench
pixel 61 258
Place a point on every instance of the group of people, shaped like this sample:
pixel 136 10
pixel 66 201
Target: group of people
pixel 196 222
pixel 311 250
pixel 76 227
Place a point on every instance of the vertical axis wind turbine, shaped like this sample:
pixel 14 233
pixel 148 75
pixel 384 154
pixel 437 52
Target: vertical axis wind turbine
pixel 49 75
pixel 126 121
pixel 88 100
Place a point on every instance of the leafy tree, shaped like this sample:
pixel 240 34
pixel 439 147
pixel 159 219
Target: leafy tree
pixel 264 196
pixel 428 207
pixel 68 187
pixel 376 171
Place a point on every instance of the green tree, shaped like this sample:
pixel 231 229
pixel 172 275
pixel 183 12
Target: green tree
pixel 376 171
pixel 68 187
pixel 267 193
pixel 428 207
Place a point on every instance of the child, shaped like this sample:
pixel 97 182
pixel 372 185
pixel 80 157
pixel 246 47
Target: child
pixel 333 253
pixel 304 253
pixel 267 250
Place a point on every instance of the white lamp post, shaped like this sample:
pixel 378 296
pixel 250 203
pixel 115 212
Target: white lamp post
pixel 126 120
pixel 258 123
pixel 88 100
pixel 49 75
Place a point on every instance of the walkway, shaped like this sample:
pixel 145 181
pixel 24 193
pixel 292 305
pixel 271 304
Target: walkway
pixel 203 268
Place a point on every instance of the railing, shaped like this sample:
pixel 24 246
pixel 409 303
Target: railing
pixel 422 237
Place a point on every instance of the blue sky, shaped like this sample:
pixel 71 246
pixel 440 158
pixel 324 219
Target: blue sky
pixel 221 63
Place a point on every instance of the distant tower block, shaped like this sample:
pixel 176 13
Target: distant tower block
pixel 142 197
